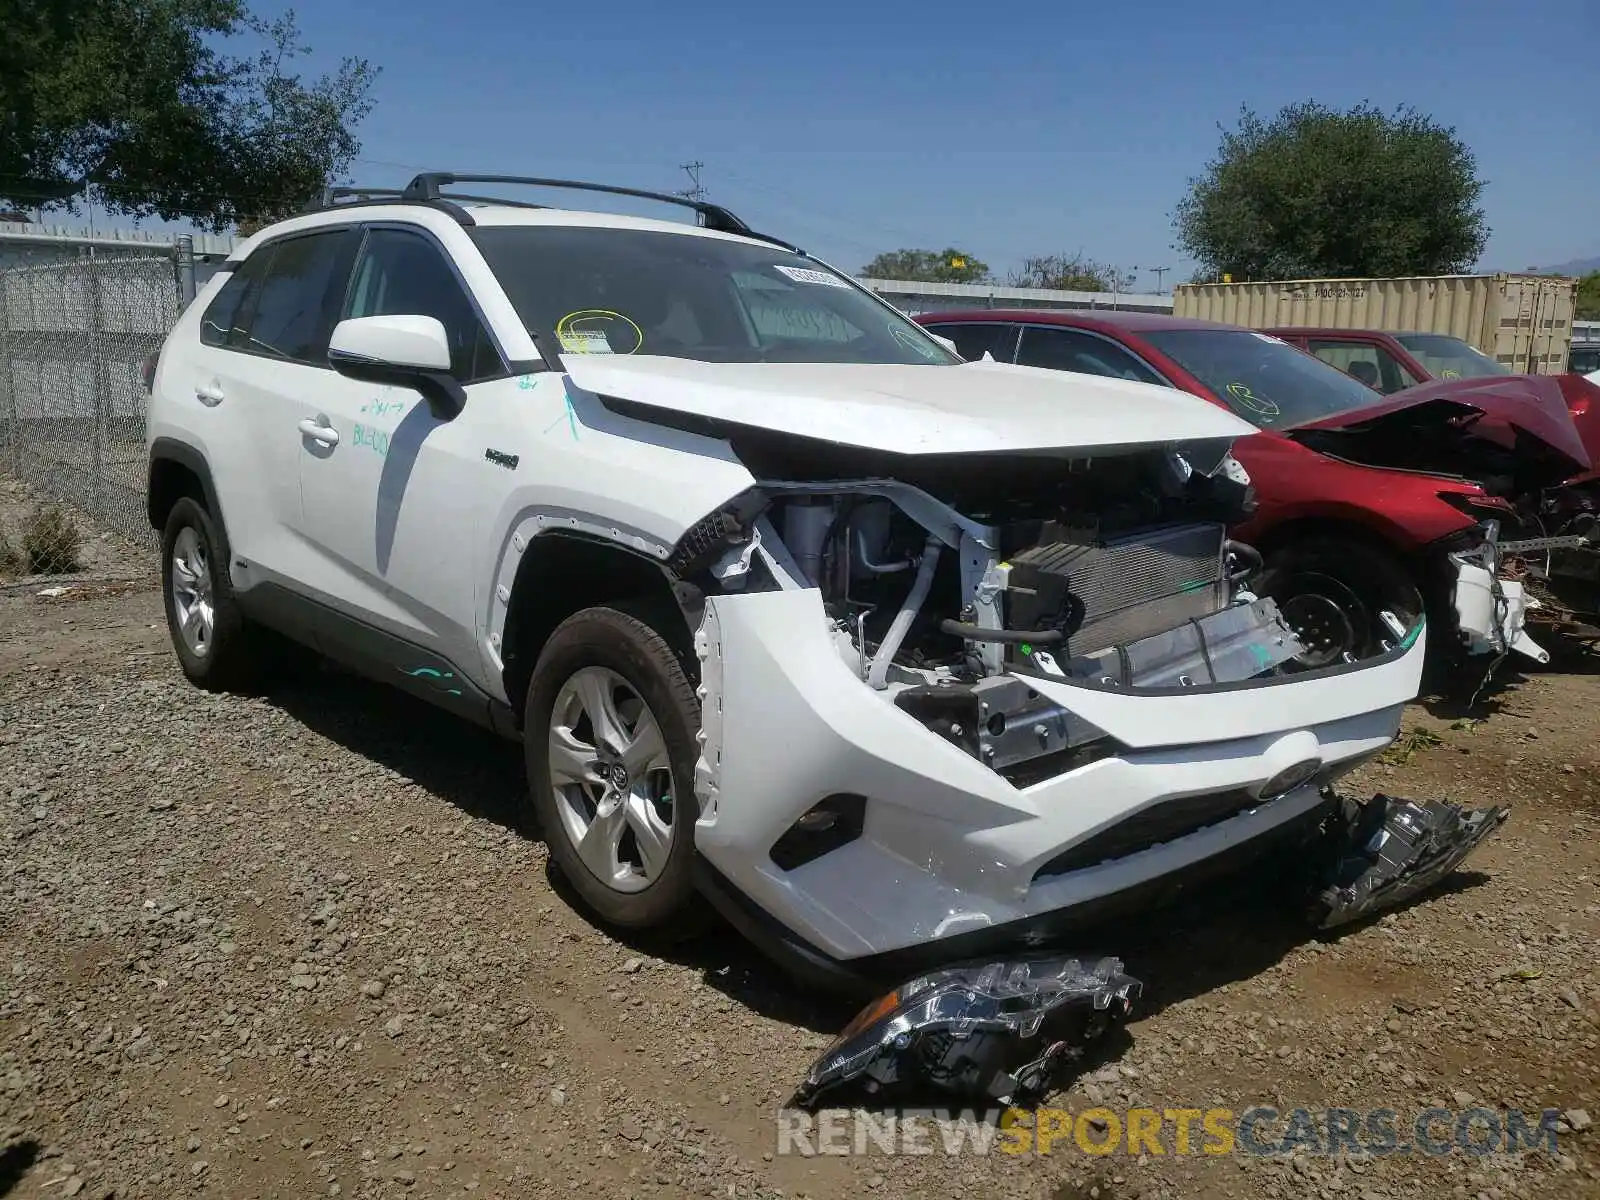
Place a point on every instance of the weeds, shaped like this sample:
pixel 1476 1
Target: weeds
pixel 51 542
pixel 1408 743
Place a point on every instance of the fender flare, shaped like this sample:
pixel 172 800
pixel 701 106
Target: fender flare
pixel 166 449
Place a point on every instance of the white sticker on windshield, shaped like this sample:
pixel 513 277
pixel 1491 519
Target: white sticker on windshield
pixel 1267 337
pixel 805 275
pixel 585 341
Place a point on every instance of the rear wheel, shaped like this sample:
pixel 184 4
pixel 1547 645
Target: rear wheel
pixel 609 741
pixel 1340 596
pixel 215 646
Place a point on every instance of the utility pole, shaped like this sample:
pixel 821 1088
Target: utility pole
pixel 698 191
pixel 1158 272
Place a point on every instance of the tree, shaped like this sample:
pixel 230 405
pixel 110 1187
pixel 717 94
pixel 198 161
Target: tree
pixel 1064 272
pixel 130 103
pixel 1588 297
pixel 1321 193
pixel 928 266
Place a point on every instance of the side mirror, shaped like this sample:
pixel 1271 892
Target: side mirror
pixel 404 351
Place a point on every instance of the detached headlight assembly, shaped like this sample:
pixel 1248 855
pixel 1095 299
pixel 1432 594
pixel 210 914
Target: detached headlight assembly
pixel 994 1032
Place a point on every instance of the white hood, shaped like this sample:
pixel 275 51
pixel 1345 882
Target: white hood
pixel 978 407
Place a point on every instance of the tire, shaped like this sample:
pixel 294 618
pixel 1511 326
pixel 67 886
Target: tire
pixel 194 580
pixel 1332 590
pixel 609 661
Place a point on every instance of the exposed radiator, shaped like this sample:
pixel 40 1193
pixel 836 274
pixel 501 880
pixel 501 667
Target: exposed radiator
pixel 1128 587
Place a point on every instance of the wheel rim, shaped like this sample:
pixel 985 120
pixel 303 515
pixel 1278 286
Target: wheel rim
pixel 612 779
pixel 192 592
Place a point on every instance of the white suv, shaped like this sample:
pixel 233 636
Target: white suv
pixel 891 655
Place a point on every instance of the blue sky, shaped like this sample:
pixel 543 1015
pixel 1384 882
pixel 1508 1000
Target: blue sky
pixel 1005 129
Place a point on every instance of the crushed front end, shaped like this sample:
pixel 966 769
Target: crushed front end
pixel 981 706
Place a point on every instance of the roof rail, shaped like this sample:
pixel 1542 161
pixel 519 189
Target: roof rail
pixel 713 216
pixel 426 188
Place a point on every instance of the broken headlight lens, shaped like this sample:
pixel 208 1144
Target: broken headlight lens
pixel 993 1031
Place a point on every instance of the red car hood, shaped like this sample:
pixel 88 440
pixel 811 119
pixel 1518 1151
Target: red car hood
pixel 1583 402
pixel 1509 432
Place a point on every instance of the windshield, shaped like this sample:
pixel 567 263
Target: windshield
pixel 1450 358
pixel 593 290
pixel 1266 381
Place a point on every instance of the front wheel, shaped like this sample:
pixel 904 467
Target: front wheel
pixel 609 741
pixel 1343 598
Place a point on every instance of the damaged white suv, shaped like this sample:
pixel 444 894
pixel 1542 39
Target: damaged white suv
pixel 891 655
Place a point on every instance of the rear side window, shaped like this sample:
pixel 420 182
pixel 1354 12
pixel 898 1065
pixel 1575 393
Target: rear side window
pixel 225 317
pixel 405 274
pixel 281 301
pixel 972 341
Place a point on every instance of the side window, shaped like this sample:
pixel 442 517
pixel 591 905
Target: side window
pixel 226 318
pixel 404 274
pixel 1073 350
pixel 995 337
pixel 1372 365
pixel 302 282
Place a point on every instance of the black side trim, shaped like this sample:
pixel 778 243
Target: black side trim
pixel 171 450
pixel 372 652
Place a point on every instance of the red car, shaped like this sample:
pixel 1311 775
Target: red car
pixel 1566 579
pixel 1367 508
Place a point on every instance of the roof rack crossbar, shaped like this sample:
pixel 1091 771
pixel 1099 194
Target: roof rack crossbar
pixel 426 187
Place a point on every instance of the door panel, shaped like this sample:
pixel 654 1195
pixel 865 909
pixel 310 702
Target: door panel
pixel 250 376
pixel 391 507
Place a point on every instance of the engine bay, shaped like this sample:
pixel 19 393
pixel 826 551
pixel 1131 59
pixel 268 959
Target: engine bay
pixel 1113 572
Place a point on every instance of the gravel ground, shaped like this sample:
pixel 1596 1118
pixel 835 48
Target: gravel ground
pixel 306 944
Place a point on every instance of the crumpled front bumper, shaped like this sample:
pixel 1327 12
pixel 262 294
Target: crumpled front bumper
pixel 948 846
pixel 1492 613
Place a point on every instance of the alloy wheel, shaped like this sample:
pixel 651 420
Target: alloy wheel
pixel 612 779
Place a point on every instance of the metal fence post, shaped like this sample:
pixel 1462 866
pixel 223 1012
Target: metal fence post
pixel 101 385
pixel 186 285
pixel 8 390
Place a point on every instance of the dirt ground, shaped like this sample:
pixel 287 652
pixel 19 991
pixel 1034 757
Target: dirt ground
pixel 306 944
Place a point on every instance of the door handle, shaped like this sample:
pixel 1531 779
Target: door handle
pixel 209 394
pixel 318 432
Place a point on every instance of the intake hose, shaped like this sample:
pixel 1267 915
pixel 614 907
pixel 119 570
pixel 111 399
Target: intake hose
pixel 1249 555
pixel 878 677
pixel 1011 637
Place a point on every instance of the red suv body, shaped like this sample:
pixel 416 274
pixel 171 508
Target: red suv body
pixel 1351 488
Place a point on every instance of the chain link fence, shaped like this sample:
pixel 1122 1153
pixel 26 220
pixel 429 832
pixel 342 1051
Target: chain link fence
pixel 76 325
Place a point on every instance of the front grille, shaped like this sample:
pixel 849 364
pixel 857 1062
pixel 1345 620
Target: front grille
pixel 1136 585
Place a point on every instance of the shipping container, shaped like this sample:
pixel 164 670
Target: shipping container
pixel 1523 321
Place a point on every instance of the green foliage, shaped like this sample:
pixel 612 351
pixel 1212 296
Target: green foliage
pixel 1064 272
pixel 928 266
pixel 132 103
pixel 50 543
pixel 1588 297
pixel 1322 193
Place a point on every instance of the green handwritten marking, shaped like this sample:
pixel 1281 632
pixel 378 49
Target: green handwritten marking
pixel 1261 654
pixel 527 382
pixel 1412 635
pixel 376 440
pixel 571 417
pixel 1196 585
pixel 1026 649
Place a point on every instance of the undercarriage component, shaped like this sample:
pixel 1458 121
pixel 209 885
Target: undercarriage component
pixel 990 1032
pixel 1389 850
